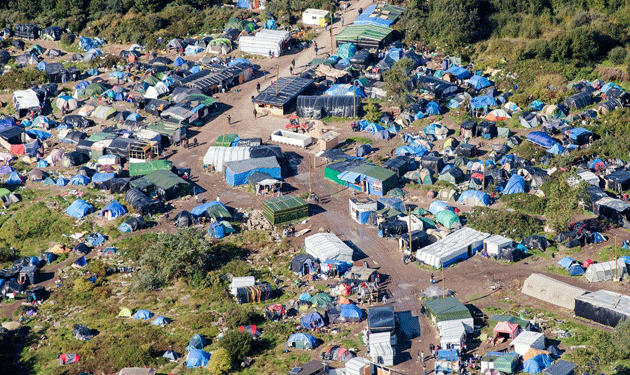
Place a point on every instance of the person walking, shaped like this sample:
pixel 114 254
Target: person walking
pixel 229 118
pixel 315 45
pixel 255 113
pixel 291 70
pixel 418 357
pixel 342 21
pixel 432 279
pixel 293 63
pixel 422 356
pixel 258 87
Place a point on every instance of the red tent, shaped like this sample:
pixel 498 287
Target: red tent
pixel 506 328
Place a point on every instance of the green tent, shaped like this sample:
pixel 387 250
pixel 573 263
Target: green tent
pixel 448 218
pixel 203 99
pixel 221 41
pixel 506 363
pixel 218 212
pixel 4 192
pixel 233 23
pixel 125 312
pixel 101 136
pixel 141 169
pixel 444 309
pixel 151 81
pixel 397 193
pixel 37 49
pixel 321 300
pixel 95 89
pixel 284 209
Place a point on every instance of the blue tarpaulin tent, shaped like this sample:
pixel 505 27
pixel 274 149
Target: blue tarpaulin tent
pixel 179 61
pixel 537 364
pixel 14 179
pixel 113 210
pixel 62 181
pixel 474 198
pixel 203 208
pixel 102 177
pixel 301 341
pixel 42 164
pixel 395 203
pixel 312 321
pixel 433 109
pixel 79 208
pixel 484 101
pixel 597 237
pixel 197 358
pixel 537 105
pixel 479 82
pixel 364 150
pixel 576 270
pixel 556 149
pixel 39 134
pixel 516 184
pixel 95 239
pixel 143 315
pixel 345 90
pixel 597 164
pixel 409 150
pixel 458 72
pixel 541 139
pixel 79 180
pixel 81 262
pixel 351 312
pixel 196 342
pixel 437 206
pixel 566 262
pixel 159 321
pixel 170 355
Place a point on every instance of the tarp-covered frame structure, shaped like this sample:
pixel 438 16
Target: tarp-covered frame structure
pixel 318 107
pixel 288 89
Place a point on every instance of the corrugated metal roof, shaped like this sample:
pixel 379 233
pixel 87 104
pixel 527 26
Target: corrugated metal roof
pixel 288 88
pixel 284 203
pixel 206 78
pixel 448 308
pixel 356 32
pixel 241 166
pixel 454 245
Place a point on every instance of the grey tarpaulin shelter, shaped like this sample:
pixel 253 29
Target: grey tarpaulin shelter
pixel 210 82
pixel 579 100
pixel 603 307
pixel 282 102
pixel 318 107
pixel 550 290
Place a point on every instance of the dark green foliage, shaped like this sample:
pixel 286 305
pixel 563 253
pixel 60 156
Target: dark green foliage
pixel 182 254
pixel 606 350
pixel 241 317
pixel 373 113
pixel 617 55
pixel 396 80
pixel 67 38
pixel 238 344
pixel 510 224
pixel 527 203
pixel 562 200
pixel 20 79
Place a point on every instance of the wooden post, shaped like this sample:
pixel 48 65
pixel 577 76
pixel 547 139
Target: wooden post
pixel 615 257
pixel 224 130
pixel 332 42
pixel 443 283
pixel 409 212
pixel 277 78
pixel 452 370
pixel 354 100
pixel 310 188
pixel 483 169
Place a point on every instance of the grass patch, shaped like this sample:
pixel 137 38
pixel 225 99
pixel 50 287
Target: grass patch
pixel 608 253
pixel 335 119
pixel 358 140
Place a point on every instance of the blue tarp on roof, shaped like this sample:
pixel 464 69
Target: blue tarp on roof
pixel 312 321
pixel 7 123
pixel 395 203
pixel 438 206
pixel 143 315
pixel 345 90
pixel 179 61
pixel 197 358
pixel 480 198
pixel 115 209
pixel 366 19
pixel 349 176
pixel 516 184
pixel 458 72
pixel 542 139
pixel 479 82
pixel 484 101
pixel 79 209
pixel 80 180
pixel 239 60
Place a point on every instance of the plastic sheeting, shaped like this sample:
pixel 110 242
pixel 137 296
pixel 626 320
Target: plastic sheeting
pixel 318 107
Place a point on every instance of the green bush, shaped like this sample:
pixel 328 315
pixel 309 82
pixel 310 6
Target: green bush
pixel 617 55
pixel 373 113
pixel 527 203
pixel 237 344
pixel 220 362
pixel 67 38
pixel 509 224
